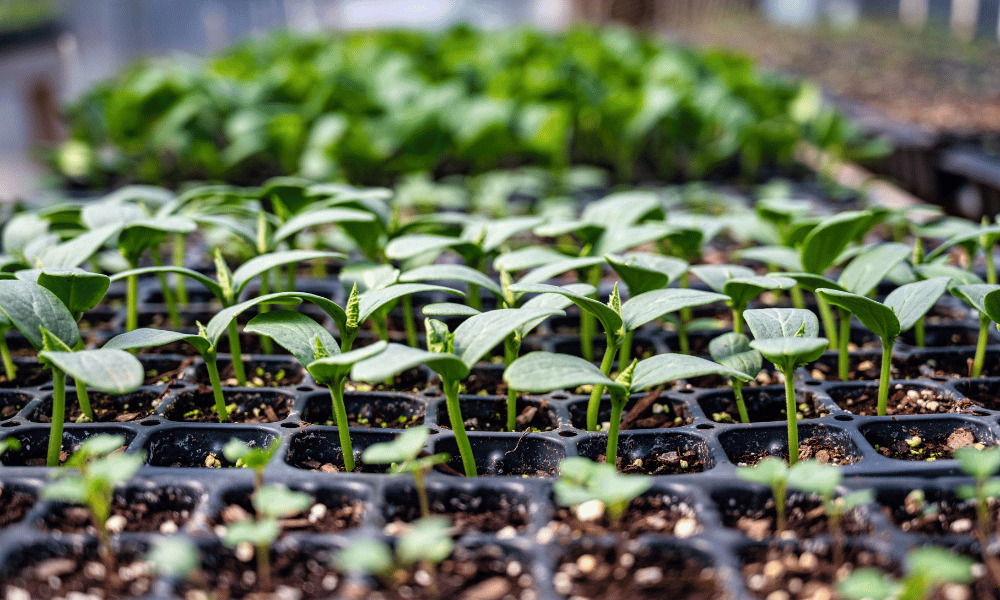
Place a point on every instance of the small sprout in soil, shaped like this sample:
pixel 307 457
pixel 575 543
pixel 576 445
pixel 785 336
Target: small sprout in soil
pixel 582 481
pixel 427 542
pixel 772 472
pixel 982 465
pixel 89 479
pixel 927 568
pixel 176 557
pixel 814 477
pixel 403 454
pixel 246 456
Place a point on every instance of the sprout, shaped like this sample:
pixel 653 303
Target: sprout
pixel 772 472
pixel 403 453
pixel 582 480
pixel 814 477
pixel 242 454
pixel 926 569
pixel 427 541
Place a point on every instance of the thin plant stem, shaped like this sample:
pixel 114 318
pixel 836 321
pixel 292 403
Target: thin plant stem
pixel 84 400
pixel 588 322
pixel 58 417
pixel 796 295
pixel 793 426
pixel 168 293
pixel 510 352
pixel 826 316
pixel 836 535
pixel 237 353
pixel 738 320
pixel 741 406
pixel 980 358
pixel 594 404
pixel 10 370
pixel 474 299
pixel 780 493
pixel 340 415
pixel 290 274
pixel 212 366
pixel 263 568
pixel 409 322
pixel 683 318
pixel 422 501
pixel 883 381
pixel 920 333
pixel 132 315
pixel 625 353
pixel 618 399
pixel 983 531
pixel 458 426
pixel 991 270
pixel 380 321
pixel 178 260
pixel 843 355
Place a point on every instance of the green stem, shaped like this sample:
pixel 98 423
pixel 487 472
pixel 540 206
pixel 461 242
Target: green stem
pixel 132 316
pixel 920 333
pixel 263 568
pixel 625 353
pixel 883 382
pixel 511 348
pixel 178 260
pixel 588 322
pixel 618 399
pixel 290 274
pixel 8 363
pixel 740 404
pixel 737 320
pixel 425 505
pixel 266 344
pixel 409 322
pixel 980 359
pixel 237 353
pixel 796 295
pixel 793 425
pixel 84 400
pixel 212 366
pixel 780 493
pixel 837 536
pixel 991 270
pixel 340 414
pixel 826 315
pixel 458 426
pixel 594 404
pixel 843 355
pixel 58 417
pixel 168 293
pixel 474 299
pixel 683 318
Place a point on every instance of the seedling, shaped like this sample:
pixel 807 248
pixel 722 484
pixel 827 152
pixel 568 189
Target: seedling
pixel 427 541
pixel 403 454
pixel 733 350
pixel 271 503
pixel 787 338
pixel 927 568
pixel 981 465
pixel 541 372
pixel 901 310
pixel 814 477
pixel 256 459
pixel 89 479
pixel 740 285
pixel 772 472
pixel 975 295
pixel 582 480
pixel 43 318
pixel 973 238
pixel 175 557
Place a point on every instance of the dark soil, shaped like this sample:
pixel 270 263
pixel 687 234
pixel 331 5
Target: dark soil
pixel 481 384
pixel 492 416
pixel 14 504
pixel 338 466
pixel 921 447
pixel 817 447
pixel 165 514
pixel 376 413
pixel 646 514
pixel 295 572
pixel 673 462
pixel 803 575
pixel 258 375
pixel 467 512
pixel 941 516
pixel 804 518
pixel 60 577
pixel 638 575
pixel 982 393
pixel 952 365
pixel 154 377
pixel 903 400
pixel 414 380
pixel 647 413
pixel 762 405
pixel 319 518
pixel 13 402
pixel 765 377
pixel 861 369
pixel 28 375
pixel 108 408
pixel 244 407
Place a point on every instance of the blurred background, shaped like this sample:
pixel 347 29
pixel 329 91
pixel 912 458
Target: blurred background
pixel 928 64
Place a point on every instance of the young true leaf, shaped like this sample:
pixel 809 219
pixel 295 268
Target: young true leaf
pixel 429 539
pixel 78 290
pixel 31 307
pixel 403 452
pixel 740 285
pixel 111 371
pixel 982 465
pixel 644 272
pixel 256 459
pixel 301 335
pixel 174 556
pixel 582 480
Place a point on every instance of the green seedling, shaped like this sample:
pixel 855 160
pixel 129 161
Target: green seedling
pixel 982 465
pixel 428 542
pixel 541 372
pixel 975 295
pixel 814 477
pixel 927 568
pixel 403 456
pixel 176 557
pixel 582 480
pixel 250 457
pixel 619 319
pixel 733 350
pixel 9 444
pixel 973 239
pixel 271 503
pixel 788 338
pixel 44 319
pixel 740 285
pixel 772 472
pixel 452 355
pixel 89 479
pixel 900 312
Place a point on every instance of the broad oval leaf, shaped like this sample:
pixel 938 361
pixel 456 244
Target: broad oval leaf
pixel 877 317
pixel 496 232
pixel 741 290
pixel 733 350
pixel 406 446
pixel 411 246
pixel 449 309
pixel 527 258
pixel 479 334
pixel 258 264
pixel 975 295
pixel 991 305
pixel 716 276
pixel 663 368
pixel 645 272
pixel 110 371
pixel 79 250
pixel 398 358
pixel 331 368
pixel 294 332
pixel 542 372
pixel 371 301
pixel 989 233
pixel 811 282
pixel 869 268
pixel 609 319
pixel 958 275
pixel 31 307
pixel 766 323
pixel 779 256
pixel 642 309
pixel 826 241
pixel 910 302
pixel 151 338
pixel 452 273
pixel 770 472
pixel 546 272
pixel 788 353
pixel 78 290
pixel 325 216
pixel 218 324
pixel 205 280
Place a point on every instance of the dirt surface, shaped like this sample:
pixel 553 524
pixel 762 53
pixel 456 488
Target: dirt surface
pixel 646 514
pixel 804 518
pixel 243 407
pixel 810 575
pixel 926 447
pixel 817 447
pixel 903 400
pixel 318 518
pixel 941 516
pixel 166 514
pixel 61 576
pixel 107 408
pixel 466 512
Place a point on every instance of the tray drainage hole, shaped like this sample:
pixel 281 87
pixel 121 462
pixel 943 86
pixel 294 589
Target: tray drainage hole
pixel 705 426
pixel 811 382
pixel 844 418
pixel 686 391
pixel 10 424
pixel 149 422
pixel 304 388
pixel 290 425
pixel 432 392
pixel 559 395
pixel 980 413
pixel 567 433
pixel 939 379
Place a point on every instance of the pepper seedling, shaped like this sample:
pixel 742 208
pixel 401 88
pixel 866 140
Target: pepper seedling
pixel 428 541
pixel 542 372
pixel 788 338
pixel 50 327
pixel 902 308
pixel 89 479
pixel 452 355
pixel 583 480
pixel 814 477
pixel 772 472
pixel 403 456
pixel 271 503
pixel 975 295
pixel 733 350
pixel 740 286
pixel 927 568
pixel 250 457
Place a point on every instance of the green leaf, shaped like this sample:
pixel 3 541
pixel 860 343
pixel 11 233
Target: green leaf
pixel 258 264
pixel 877 317
pixel 332 368
pixel 771 471
pixel 449 309
pixel 294 332
pixel 71 489
pixel 788 353
pixel 826 241
pixel 429 539
pixel 541 372
pixel 741 290
pixel 151 338
pixel 810 282
pixel 663 368
pixel 779 256
pixel 411 246
pixel 138 236
pixel 31 307
pixel 99 445
pixel 768 323
pixel 111 371
pixel 452 273
pixel 974 294
pixel 325 216
pixel 991 305
pixel 527 258
pixel 368 276
pixel 646 307
pixel 911 301
pixel 479 334
pixel 174 556
pixel 250 457
pixel 374 300
pixel 870 267
pixel 645 272
pixel 278 502
pixel 79 250
pixel 939 565
pixel 218 324
pixel 979 463
pixel 78 290
pixel 617 239
pixel 205 280
pixel 990 233
pixel 610 320
pixel 499 231
pixel 406 446
pixel 958 275
pixel 867 583
pixel 398 358
pixel 716 276
pixel 814 477
pixel 261 533
pixel 554 269
pixel 367 556
pixel 733 350
pixel 623 208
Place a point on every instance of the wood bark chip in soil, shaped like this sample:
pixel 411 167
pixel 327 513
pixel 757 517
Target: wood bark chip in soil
pixel 929 447
pixel 817 448
pixel 60 577
pixel 803 575
pixel 655 514
pixel 244 407
pixel 805 518
pixel 903 400
pixel 319 518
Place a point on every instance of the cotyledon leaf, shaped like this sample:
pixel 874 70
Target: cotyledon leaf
pixel 877 317
pixel 664 368
pixel 733 350
pixel 294 332
pixel 331 368
pixel 397 358
pixel 768 323
pixel 787 353
pixel 31 307
pixel 479 334
pixel 110 371
pixel 911 301
pixel 541 372
pixel 152 338
pixel 645 307
pixel 451 273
